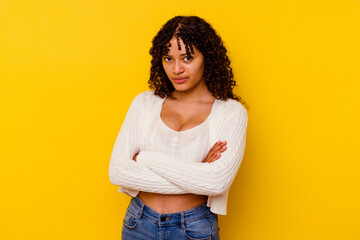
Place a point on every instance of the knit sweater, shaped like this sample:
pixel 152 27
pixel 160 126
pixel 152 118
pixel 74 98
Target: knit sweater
pixel 169 161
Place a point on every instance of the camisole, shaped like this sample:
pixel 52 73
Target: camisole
pixel 169 161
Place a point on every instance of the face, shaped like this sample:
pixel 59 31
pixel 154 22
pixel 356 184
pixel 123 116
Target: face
pixel 185 73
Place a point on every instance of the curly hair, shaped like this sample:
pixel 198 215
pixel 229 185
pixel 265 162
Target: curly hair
pixel 193 30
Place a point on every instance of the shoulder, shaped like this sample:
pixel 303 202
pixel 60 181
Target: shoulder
pixel 147 100
pixel 230 117
pixel 147 95
pixel 231 109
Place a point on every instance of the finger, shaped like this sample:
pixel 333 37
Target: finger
pixel 219 149
pixel 215 148
pixel 223 149
pixel 214 154
pixel 211 158
pixel 216 144
pixel 217 156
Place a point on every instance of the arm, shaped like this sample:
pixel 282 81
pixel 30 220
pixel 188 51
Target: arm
pixel 205 178
pixel 126 172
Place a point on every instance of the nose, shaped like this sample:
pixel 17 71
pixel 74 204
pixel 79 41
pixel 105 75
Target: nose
pixel 178 67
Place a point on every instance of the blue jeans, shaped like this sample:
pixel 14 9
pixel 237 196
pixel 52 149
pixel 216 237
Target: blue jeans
pixel 143 223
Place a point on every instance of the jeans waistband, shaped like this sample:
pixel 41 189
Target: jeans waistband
pixel 182 217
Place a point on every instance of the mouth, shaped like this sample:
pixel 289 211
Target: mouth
pixel 179 80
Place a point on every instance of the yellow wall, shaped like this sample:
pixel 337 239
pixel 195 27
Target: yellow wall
pixel 69 70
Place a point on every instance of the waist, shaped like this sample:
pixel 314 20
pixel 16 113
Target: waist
pixel 170 203
pixel 189 215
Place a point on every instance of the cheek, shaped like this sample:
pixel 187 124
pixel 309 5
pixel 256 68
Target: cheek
pixel 166 70
pixel 200 70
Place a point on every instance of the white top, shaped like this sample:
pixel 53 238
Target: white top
pixel 170 162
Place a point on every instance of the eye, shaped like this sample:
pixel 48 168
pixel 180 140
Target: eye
pixel 188 58
pixel 167 59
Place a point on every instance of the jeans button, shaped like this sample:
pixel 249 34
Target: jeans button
pixel 163 219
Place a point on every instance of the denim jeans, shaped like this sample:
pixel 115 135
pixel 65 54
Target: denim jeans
pixel 143 223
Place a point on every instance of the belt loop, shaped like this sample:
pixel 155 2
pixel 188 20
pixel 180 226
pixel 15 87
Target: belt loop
pixel 182 221
pixel 159 221
pixel 141 210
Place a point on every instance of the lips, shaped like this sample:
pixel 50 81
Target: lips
pixel 179 80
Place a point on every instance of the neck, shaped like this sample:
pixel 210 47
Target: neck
pixel 199 94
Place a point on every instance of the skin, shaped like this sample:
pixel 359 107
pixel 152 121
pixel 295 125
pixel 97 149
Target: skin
pixel 188 106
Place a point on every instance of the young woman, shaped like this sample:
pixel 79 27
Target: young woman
pixel 181 145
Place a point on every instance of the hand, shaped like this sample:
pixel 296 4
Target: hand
pixel 134 158
pixel 215 152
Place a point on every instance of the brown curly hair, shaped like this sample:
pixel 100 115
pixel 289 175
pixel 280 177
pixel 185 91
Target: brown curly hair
pixel 193 30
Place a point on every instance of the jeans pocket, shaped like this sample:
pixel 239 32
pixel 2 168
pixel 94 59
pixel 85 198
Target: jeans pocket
pixel 130 221
pixel 132 217
pixel 201 229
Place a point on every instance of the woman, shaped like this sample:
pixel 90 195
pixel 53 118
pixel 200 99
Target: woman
pixel 181 145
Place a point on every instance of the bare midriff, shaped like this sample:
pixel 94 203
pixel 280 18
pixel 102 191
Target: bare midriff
pixel 171 203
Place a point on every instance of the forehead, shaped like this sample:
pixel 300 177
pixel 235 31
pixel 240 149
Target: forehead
pixel 176 45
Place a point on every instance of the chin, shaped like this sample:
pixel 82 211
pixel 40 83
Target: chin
pixel 181 88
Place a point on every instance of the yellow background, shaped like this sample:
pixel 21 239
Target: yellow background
pixel 69 70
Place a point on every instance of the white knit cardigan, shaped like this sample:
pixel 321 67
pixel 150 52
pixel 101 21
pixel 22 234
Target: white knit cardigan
pixel 170 162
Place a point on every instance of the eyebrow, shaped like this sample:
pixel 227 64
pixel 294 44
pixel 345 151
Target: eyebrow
pixel 184 54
